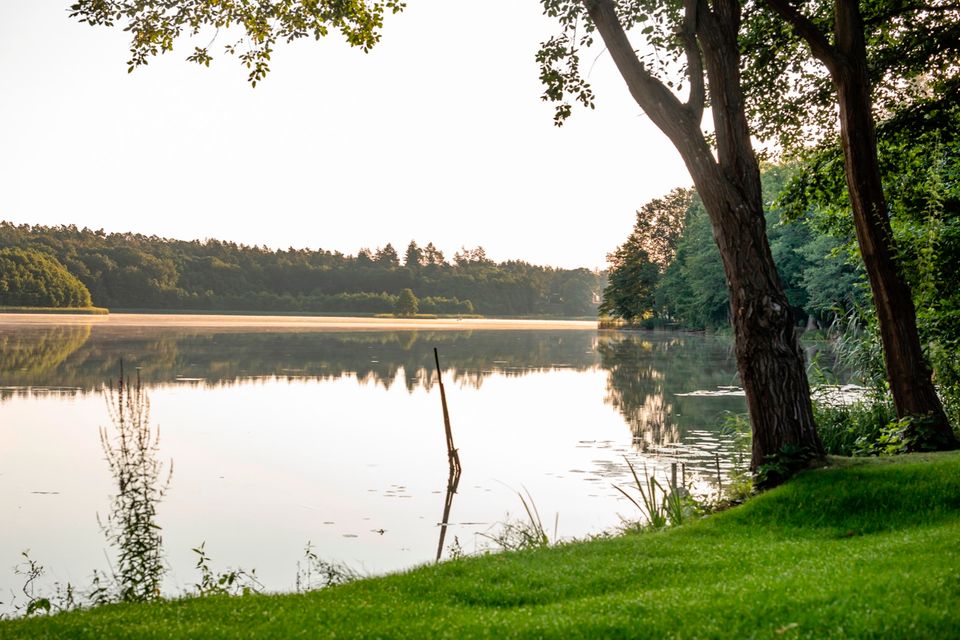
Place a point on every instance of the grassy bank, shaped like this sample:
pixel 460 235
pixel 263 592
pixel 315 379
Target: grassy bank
pixel 95 311
pixel 865 548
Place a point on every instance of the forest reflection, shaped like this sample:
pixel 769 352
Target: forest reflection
pixel 647 373
pixel 72 359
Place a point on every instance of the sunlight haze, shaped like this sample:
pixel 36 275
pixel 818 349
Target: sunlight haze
pixel 438 135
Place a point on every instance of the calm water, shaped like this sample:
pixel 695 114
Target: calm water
pixel 267 439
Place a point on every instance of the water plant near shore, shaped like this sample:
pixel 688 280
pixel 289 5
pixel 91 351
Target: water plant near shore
pixel 131 526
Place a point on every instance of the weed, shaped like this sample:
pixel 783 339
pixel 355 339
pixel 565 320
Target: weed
pixel 736 427
pixel 233 582
pixel 659 506
pixel 455 550
pixel 32 571
pixel 845 429
pixel 131 527
pixel 317 573
pixel 515 535
pixel 781 465
pixel 909 434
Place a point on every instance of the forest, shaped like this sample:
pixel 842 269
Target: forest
pixel 668 272
pixel 134 271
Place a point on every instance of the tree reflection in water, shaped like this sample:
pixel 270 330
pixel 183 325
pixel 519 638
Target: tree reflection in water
pixel 649 377
pixel 635 387
pixel 131 527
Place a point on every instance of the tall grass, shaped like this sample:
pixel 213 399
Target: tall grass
pixel 661 507
pixel 523 533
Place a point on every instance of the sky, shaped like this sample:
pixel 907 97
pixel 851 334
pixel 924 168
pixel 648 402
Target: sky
pixel 438 135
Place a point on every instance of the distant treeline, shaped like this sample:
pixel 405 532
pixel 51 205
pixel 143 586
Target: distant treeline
pixel 127 270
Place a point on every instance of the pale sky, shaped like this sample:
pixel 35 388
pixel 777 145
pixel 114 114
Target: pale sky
pixel 437 135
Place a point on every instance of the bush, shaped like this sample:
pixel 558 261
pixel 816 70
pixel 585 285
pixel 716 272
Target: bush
pixel 29 278
pixel 852 429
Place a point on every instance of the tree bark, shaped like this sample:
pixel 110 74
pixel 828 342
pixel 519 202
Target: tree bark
pixel 769 360
pixel 909 375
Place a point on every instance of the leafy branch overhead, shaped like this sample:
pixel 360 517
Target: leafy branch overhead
pixel 154 25
pixel 911 48
pixel 670 50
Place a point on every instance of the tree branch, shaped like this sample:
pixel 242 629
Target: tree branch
pixel 804 28
pixel 650 94
pixel 698 96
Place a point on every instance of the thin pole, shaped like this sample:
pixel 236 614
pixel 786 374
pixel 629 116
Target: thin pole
pixel 451 450
pixel 453 479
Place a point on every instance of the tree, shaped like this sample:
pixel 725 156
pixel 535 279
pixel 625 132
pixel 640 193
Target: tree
pixel 700 37
pixel 387 257
pixel 365 257
pixel 919 153
pixel 577 293
pixel 432 255
pixel 29 278
pixel 630 282
pixel 466 257
pixel 844 55
pixel 637 264
pixel 692 291
pixel 659 225
pixel 414 256
pixel 407 304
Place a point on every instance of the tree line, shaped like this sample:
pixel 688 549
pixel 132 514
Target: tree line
pixel 668 273
pixel 128 270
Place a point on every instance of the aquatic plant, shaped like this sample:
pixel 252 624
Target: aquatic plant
pixel 660 507
pixel 131 526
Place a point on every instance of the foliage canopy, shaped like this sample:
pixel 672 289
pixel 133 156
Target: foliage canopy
pixel 155 25
pixel 30 278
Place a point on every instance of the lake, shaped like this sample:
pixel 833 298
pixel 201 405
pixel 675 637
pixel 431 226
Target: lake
pixel 263 434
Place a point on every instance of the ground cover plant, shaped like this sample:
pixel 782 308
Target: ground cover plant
pixel 864 548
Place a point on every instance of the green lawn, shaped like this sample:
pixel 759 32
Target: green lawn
pixel 862 549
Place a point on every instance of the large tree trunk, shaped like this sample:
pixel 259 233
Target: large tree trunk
pixel 769 360
pixel 910 379
pixel 907 370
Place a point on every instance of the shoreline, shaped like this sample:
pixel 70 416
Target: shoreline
pixel 316 323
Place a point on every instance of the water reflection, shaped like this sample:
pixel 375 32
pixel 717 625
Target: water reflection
pixel 78 358
pixel 647 374
pixel 453 481
pixel 649 377
pixel 131 449
pixel 34 358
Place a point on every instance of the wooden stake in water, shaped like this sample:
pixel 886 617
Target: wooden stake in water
pixel 451 450
pixel 453 479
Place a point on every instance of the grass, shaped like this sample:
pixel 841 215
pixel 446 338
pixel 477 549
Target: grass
pixel 863 549
pixel 95 311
